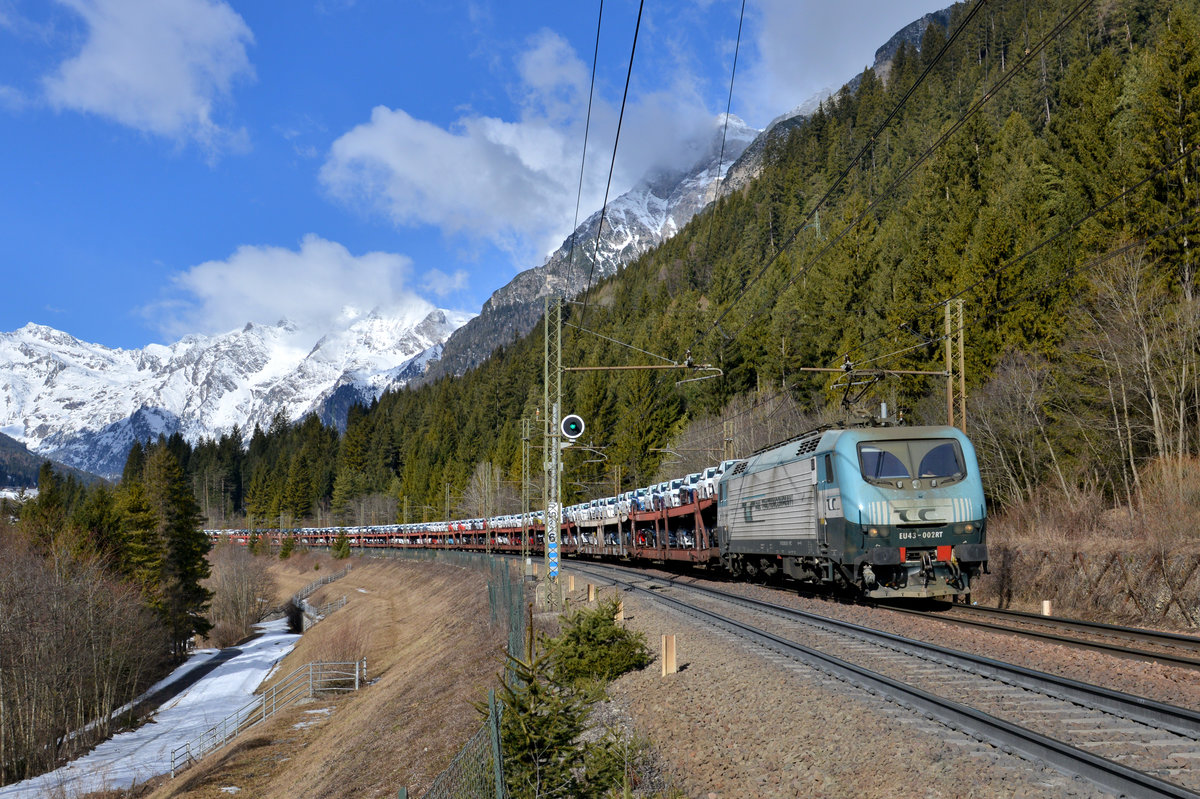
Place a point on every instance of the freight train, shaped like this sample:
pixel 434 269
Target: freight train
pixel 886 512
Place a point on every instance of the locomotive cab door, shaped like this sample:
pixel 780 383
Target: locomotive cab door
pixel 829 497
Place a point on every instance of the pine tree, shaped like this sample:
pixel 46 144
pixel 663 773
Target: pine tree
pixel 135 464
pixel 184 565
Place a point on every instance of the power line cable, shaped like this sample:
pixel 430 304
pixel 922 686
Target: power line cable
pixel 845 172
pixel 998 309
pixel 1000 269
pixel 720 162
pixel 962 120
pixel 1093 263
pixel 718 180
pixel 612 164
pixel 583 159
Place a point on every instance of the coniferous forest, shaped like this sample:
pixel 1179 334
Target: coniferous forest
pixel 1036 161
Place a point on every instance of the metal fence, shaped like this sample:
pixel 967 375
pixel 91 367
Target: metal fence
pixel 477 771
pixel 312 614
pixel 308 590
pixel 306 681
pixel 506 586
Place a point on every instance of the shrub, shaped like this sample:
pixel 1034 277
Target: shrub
pixel 594 649
pixel 549 750
pixel 541 723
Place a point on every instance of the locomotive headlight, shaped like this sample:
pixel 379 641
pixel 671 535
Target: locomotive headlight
pixel 872 531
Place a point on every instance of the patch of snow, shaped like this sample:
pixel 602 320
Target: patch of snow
pixel 16 493
pixel 136 756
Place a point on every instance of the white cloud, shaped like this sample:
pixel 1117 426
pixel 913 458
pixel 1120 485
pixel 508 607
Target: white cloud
pixel 513 183
pixel 311 287
pixel 485 179
pixel 802 49
pixel 440 284
pixel 553 79
pixel 160 67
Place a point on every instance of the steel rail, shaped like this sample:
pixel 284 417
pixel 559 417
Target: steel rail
pixel 1161 637
pixel 1181 720
pixel 1094 628
pixel 1006 735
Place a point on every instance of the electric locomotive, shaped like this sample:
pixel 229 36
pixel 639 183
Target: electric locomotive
pixel 890 511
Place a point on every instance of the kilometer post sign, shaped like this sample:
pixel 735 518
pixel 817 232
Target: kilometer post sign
pixel 552 530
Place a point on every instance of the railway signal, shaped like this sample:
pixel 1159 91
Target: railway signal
pixel 572 426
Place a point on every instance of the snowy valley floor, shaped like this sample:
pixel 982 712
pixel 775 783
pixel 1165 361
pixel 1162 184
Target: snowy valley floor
pixel 138 755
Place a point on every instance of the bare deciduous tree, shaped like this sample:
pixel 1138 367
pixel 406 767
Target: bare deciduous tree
pixel 242 588
pixel 75 645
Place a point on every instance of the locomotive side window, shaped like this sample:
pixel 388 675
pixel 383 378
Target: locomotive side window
pixel 829 476
pixel 923 458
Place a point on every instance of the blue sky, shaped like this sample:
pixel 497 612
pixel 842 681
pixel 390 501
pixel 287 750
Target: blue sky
pixel 187 166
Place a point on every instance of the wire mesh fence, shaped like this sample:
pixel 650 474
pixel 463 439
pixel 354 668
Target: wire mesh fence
pixel 306 681
pixel 477 771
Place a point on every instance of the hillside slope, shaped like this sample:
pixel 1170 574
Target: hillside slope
pixel 431 654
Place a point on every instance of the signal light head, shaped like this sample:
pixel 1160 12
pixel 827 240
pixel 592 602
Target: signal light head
pixel 572 426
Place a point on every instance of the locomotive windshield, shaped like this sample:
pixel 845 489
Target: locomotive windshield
pixel 921 458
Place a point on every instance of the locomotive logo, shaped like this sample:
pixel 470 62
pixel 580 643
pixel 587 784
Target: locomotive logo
pixel 928 511
pixel 766 503
pixel 918 515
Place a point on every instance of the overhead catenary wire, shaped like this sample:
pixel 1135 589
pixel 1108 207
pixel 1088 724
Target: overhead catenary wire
pixel 846 171
pixel 615 341
pixel 587 126
pixel 612 164
pixel 962 120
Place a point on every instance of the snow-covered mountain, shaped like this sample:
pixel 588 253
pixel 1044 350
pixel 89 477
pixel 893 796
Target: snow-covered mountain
pixel 84 404
pixel 645 216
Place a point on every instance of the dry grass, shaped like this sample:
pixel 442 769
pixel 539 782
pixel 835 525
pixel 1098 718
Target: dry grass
pixel 1166 519
pixel 431 654
pixel 1134 565
pixel 301 569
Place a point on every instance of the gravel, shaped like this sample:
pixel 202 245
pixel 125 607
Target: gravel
pixel 737 721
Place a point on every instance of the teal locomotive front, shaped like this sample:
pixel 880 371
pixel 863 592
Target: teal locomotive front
pixel 889 511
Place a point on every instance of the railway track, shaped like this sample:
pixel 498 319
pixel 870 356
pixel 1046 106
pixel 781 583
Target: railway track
pixel 1171 649
pixel 1122 743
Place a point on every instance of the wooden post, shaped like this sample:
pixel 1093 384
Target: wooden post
pixel 570 582
pixel 591 593
pixel 1046 608
pixel 949 372
pixel 962 374
pixel 669 665
pixel 620 611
